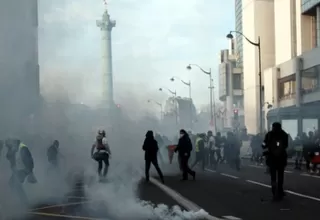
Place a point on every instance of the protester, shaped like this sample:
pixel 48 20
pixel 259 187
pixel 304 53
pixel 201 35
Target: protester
pixel 22 166
pixel 184 149
pixel 275 145
pixel 150 147
pixel 53 154
pixel 199 149
pixel 101 152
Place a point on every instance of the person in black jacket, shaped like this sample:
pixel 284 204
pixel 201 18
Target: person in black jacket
pixel 275 146
pixel 184 149
pixel 53 154
pixel 150 147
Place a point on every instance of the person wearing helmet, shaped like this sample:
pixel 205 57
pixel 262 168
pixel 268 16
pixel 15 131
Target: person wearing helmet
pixel 100 152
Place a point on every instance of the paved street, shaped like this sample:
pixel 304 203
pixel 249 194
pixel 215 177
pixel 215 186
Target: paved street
pixel 229 194
pixel 224 194
pixel 150 203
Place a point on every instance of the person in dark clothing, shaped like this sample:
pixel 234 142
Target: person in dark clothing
pixel 256 148
pixel 184 149
pixel 234 150
pixel 219 145
pixel 150 147
pixel 275 146
pixel 53 153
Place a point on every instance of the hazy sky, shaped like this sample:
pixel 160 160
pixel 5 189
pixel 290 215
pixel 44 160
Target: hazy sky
pixel 152 41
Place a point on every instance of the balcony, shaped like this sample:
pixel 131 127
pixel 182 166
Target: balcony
pixel 288 99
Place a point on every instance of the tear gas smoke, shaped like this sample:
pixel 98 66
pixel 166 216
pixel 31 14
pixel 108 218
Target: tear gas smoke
pixel 60 116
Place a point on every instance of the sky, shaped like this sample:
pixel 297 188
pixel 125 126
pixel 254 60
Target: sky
pixel 153 40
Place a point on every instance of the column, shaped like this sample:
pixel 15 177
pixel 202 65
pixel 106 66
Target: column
pixel 298 70
pixel 318 26
pixel 229 98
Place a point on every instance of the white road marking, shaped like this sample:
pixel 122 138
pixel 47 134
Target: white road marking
pixel 303 196
pixel 287 191
pixel 263 167
pixel 228 175
pixel 257 183
pixel 230 217
pixel 306 174
pixel 212 171
pixel 180 199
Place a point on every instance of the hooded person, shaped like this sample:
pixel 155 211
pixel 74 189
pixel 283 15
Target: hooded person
pixel 184 149
pixel 275 146
pixel 101 152
pixel 150 148
pixel 53 154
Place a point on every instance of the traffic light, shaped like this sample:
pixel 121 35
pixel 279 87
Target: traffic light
pixel 235 114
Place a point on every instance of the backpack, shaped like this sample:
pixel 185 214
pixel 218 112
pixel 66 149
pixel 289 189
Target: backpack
pixel 99 144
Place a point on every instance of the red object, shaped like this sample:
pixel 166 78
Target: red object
pixel 316 158
pixel 171 149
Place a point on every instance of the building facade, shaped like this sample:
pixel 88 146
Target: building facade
pixel 292 84
pixel 257 21
pixel 19 84
pixel 239 38
pixel 231 88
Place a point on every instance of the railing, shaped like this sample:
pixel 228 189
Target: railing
pixel 287 96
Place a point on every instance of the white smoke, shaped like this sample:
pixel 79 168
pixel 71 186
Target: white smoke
pixel 65 82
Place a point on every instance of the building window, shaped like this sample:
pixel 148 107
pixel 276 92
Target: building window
pixel 309 79
pixel 287 87
pixel 237 81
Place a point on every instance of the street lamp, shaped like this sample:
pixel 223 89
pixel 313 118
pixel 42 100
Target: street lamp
pixel 230 36
pixel 160 105
pixel 189 67
pixel 189 85
pixel 174 93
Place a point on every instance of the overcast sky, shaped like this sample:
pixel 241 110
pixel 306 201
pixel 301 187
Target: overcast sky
pixel 152 41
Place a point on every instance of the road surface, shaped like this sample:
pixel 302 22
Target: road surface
pixel 246 195
pixel 77 205
pixel 223 194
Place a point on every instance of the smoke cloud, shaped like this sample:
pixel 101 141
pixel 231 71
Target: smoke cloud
pixel 68 111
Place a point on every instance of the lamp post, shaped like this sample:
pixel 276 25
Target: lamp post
pixel 230 36
pixel 189 85
pixel 211 88
pixel 174 93
pixel 160 105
